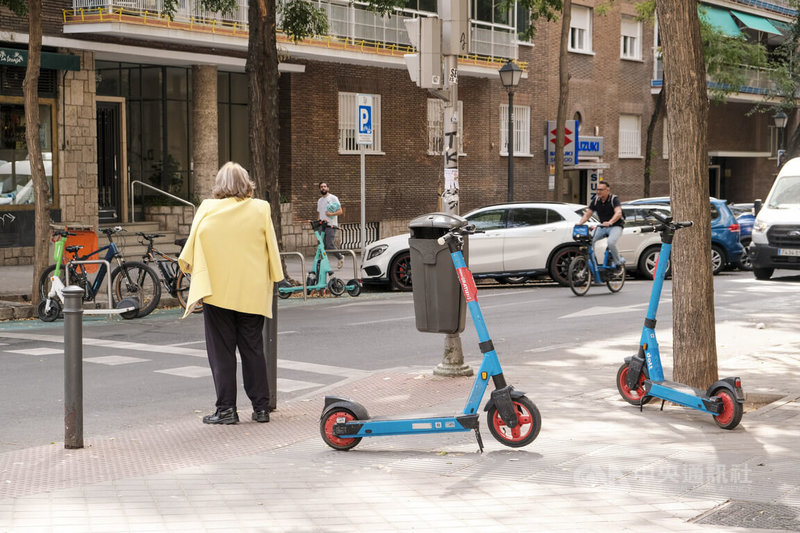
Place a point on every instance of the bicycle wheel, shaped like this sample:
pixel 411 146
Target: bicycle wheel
pixel 579 275
pixel 616 278
pixel 136 280
pixel 182 283
pixel 74 278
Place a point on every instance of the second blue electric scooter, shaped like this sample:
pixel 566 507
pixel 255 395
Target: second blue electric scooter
pixel 513 419
pixel 641 377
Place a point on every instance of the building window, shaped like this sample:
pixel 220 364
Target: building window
pixel 580 29
pixel 436 126
pixel 630 136
pixel 522 130
pixel 631 39
pixel 16 183
pixel 347 124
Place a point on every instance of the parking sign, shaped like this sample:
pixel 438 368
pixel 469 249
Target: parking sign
pixel 364 119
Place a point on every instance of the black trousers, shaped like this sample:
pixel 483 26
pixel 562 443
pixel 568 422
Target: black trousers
pixel 225 331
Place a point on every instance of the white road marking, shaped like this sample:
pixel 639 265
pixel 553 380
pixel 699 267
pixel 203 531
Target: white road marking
pixel 37 351
pixel 187 371
pixel 291 385
pixel 113 360
pixel 604 310
pixel 381 321
pixel 319 369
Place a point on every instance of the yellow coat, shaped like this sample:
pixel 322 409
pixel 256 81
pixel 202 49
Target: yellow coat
pixel 232 255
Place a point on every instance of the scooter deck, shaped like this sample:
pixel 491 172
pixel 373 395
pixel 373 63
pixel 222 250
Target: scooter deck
pixel 682 395
pixel 374 427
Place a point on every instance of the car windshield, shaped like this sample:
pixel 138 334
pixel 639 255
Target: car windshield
pixel 740 209
pixel 787 192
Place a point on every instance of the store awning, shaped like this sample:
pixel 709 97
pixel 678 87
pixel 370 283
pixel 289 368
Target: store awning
pixel 720 18
pixel 19 58
pixel 754 22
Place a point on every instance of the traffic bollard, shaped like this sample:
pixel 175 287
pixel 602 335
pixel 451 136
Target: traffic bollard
pixel 73 367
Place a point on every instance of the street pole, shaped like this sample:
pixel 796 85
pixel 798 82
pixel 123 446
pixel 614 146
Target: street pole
pixel 453 359
pixel 510 145
pixel 363 150
pixel 73 367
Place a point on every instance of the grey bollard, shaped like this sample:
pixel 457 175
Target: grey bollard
pixel 270 333
pixel 73 367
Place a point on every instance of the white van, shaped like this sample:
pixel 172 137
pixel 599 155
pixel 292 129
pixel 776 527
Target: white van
pixel 776 232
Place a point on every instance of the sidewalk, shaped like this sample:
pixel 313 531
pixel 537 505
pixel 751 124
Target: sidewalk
pixel 598 464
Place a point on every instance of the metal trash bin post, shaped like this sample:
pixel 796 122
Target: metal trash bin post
pixel 439 305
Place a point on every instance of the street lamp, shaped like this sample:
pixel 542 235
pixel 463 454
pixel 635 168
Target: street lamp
pixel 509 77
pixel 780 119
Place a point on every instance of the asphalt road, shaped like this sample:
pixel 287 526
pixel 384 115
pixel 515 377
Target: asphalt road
pixel 149 370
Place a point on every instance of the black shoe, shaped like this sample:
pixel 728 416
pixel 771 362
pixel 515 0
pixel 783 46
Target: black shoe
pixel 222 416
pixel 261 416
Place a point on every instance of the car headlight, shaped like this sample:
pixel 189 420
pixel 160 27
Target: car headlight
pixel 760 227
pixel 378 250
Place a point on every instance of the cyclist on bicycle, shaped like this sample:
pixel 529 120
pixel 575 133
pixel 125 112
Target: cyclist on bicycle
pixel 609 211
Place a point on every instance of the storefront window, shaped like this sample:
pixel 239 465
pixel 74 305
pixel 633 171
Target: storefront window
pixel 16 185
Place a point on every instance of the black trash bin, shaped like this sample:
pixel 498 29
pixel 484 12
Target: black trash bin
pixel 439 305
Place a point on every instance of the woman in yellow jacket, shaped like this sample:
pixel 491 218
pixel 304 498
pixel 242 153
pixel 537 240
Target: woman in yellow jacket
pixel 232 255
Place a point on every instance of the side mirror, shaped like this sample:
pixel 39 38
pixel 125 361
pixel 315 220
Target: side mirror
pixel 757 206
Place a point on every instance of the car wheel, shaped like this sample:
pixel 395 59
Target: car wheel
pixel 745 263
pixel 763 273
pixel 648 262
pixel 400 272
pixel 513 280
pixel 559 264
pixel 717 259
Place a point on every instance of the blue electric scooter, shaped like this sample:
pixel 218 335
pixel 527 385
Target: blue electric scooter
pixel 513 419
pixel 641 378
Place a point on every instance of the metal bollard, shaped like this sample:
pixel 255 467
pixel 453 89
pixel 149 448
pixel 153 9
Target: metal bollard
pixel 270 333
pixel 73 367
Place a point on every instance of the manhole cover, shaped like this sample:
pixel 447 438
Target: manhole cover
pixel 754 515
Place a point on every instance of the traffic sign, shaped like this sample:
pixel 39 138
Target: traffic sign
pixel 364 119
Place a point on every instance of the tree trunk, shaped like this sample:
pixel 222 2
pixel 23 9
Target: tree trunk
pixel 648 146
pixel 563 95
pixel 30 87
pixel 262 74
pixel 694 342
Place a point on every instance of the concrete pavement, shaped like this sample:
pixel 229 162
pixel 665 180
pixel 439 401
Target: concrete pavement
pixel 598 464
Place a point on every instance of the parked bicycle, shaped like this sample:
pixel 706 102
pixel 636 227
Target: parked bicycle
pixel 174 281
pixel 584 267
pixel 130 279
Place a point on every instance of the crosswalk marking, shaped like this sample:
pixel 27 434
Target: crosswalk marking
pixel 291 385
pixel 37 351
pixel 113 360
pixel 187 371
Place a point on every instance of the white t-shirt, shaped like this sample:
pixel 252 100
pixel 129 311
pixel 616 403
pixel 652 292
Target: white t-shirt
pixel 322 209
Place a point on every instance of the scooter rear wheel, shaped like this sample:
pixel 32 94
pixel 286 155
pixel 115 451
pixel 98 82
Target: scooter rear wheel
pixel 283 294
pixel 632 396
pixel 353 287
pixel 732 410
pixel 529 422
pixel 49 315
pixel 326 424
pixel 336 286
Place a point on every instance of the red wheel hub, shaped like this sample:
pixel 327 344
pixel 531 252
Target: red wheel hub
pixel 524 420
pixel 333 419
pixel 634 394
pixel 726 415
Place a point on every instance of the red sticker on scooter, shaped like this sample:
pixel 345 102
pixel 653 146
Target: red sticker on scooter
pixel 467 284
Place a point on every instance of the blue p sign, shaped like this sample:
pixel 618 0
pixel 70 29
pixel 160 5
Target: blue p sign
pixel 364 119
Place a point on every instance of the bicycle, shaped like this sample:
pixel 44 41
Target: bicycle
pixel 584 267
pixel 173 279
pixel 130 279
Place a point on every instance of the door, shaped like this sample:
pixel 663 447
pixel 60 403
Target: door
pixel 486 248
pixel 109 183
pixel 714 185
pixel 527 239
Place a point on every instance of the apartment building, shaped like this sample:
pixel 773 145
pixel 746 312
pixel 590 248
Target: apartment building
pixel 132 102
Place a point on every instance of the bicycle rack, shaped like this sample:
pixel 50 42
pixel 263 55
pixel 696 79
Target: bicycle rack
pixel 355 261
pixel 110 310
pixel 302 267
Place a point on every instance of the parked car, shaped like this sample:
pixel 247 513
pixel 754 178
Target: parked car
pixel 726 250
pixel 640 250
pixel 745 216
pixel 520 241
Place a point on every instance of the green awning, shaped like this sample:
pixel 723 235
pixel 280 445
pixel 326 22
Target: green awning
pixel 782 27
pixel 754 22
pixel 19 58
pixel 719 18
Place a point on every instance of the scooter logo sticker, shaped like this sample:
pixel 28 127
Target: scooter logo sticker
pixel 467 284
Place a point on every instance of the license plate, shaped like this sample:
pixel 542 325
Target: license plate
pixel 786 251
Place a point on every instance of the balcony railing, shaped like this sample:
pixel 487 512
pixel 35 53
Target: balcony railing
pixel 757 80
pixel 351 22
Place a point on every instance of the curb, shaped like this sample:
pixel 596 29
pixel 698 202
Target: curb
pixel 15 310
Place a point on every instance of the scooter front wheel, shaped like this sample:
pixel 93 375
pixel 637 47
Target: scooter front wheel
pixel 579 275
pixel 336 286
pixel 635 396
pixel 49 315
pixel 285 293
pixel 529 422
pixel 732 410
pixel 330 419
